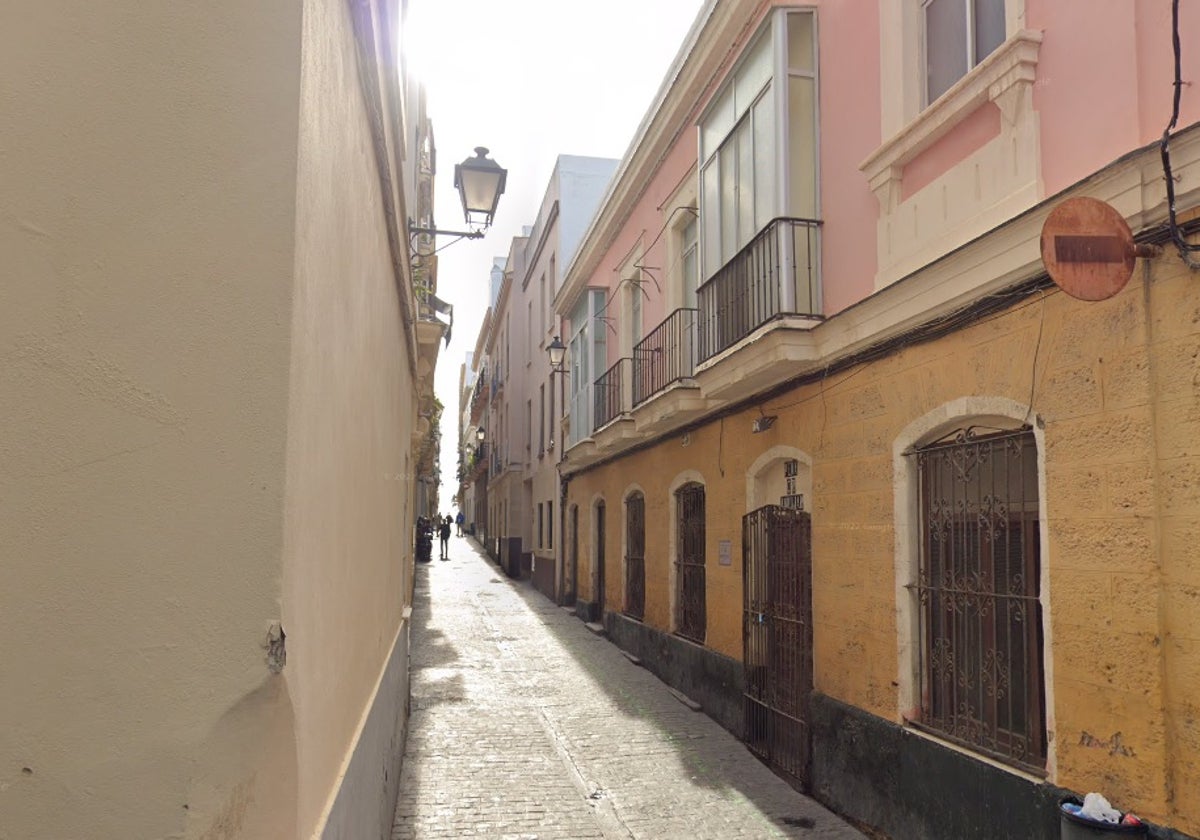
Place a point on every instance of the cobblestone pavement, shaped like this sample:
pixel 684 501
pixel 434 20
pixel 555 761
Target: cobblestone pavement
pixel 526 725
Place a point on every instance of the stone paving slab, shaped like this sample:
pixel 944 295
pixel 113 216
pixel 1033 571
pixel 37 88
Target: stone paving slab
pixel 526 725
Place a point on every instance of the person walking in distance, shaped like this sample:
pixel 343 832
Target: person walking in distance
pixel 444 533
pixel 458 521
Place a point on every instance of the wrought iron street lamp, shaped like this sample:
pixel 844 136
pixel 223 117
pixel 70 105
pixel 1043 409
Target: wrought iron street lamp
pixel 480 183
pixel 480 434
pixel 557 351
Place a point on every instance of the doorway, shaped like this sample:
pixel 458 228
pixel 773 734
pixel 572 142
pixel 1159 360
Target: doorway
pixel 777 635
pixel 572 558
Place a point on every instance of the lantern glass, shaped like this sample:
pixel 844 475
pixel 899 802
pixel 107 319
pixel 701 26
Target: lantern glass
pixel 480 183
pixel 556 350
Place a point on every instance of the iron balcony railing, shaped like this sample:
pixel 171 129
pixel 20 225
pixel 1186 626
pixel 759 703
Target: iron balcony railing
pixel 666 355
pixel 775 274
pixel 611 393
pixel 477 459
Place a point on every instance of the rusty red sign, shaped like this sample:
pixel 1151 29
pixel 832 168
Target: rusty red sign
pixel 1088 249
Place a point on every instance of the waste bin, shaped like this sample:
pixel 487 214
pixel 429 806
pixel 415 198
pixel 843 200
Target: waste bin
pixel 1072 827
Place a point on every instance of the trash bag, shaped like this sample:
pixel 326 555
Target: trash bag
pixel 1096 807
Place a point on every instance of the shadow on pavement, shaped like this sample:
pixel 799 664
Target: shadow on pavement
pixel 715 760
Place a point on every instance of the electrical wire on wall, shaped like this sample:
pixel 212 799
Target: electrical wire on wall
pixel 1189 253
pixel 612 295
pixel 721 449
pixel 1037 348
pixel 981 312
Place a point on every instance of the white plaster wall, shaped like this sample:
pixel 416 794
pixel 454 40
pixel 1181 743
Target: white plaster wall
pixel 583 181
pixel 347 544
pixel 146 225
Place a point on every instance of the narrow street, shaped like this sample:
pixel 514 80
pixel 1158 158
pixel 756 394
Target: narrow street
pixel 526 725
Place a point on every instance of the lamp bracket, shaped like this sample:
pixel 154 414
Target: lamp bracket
pixel 461 234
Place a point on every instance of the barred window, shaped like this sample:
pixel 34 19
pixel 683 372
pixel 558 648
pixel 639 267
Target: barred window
pixel 690 614
pixel 635 556
pixel 978 594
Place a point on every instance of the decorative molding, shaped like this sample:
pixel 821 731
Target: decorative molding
pixel 1012 67
pixel 1002 412
pixel 694 74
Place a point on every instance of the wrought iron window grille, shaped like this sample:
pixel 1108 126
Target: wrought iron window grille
pixel 635 557
pixel 977 594
pixel 691 620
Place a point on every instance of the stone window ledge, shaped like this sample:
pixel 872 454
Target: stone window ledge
pixel 1012 65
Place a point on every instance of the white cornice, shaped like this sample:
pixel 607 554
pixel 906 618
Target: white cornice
pixel 719 31
pixel 548 228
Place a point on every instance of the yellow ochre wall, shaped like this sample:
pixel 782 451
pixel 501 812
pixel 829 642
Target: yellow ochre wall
pixel 1116 389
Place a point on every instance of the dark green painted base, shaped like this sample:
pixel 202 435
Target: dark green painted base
pixel 912 788
pixel 587 610
pixel 714 681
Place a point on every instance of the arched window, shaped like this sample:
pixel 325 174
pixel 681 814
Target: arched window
pixel 690 614
pixel 977 592
pixel 635 556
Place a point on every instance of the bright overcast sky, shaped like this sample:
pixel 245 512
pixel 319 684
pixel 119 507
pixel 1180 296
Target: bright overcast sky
pixel 529 79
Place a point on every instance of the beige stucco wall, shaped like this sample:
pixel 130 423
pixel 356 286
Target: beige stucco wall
pixel 205 425
pixel 146 223
pixel 347 549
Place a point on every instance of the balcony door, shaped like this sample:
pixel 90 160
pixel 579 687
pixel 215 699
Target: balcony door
pixel 587 353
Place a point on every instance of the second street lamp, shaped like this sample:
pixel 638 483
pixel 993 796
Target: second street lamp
pixel 557 351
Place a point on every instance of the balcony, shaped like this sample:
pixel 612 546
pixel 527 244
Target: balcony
pixel 477 461
pixel 775 275
pixel 580 427
pixel 666 355
pixel 611 393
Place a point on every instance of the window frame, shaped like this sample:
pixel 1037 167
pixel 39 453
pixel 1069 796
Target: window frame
pixel 774 28
pixel 691 562
pixel 635 554
pixel 689 244
pixel 938 601
pixel 969 35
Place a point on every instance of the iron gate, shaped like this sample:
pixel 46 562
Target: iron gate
pixel 691 618
pixel 777 634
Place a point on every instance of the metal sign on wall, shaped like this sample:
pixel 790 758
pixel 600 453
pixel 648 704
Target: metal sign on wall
pixel 1088 249
pixel 791 500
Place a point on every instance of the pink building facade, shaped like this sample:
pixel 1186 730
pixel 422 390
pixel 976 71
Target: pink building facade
pixel 816 190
